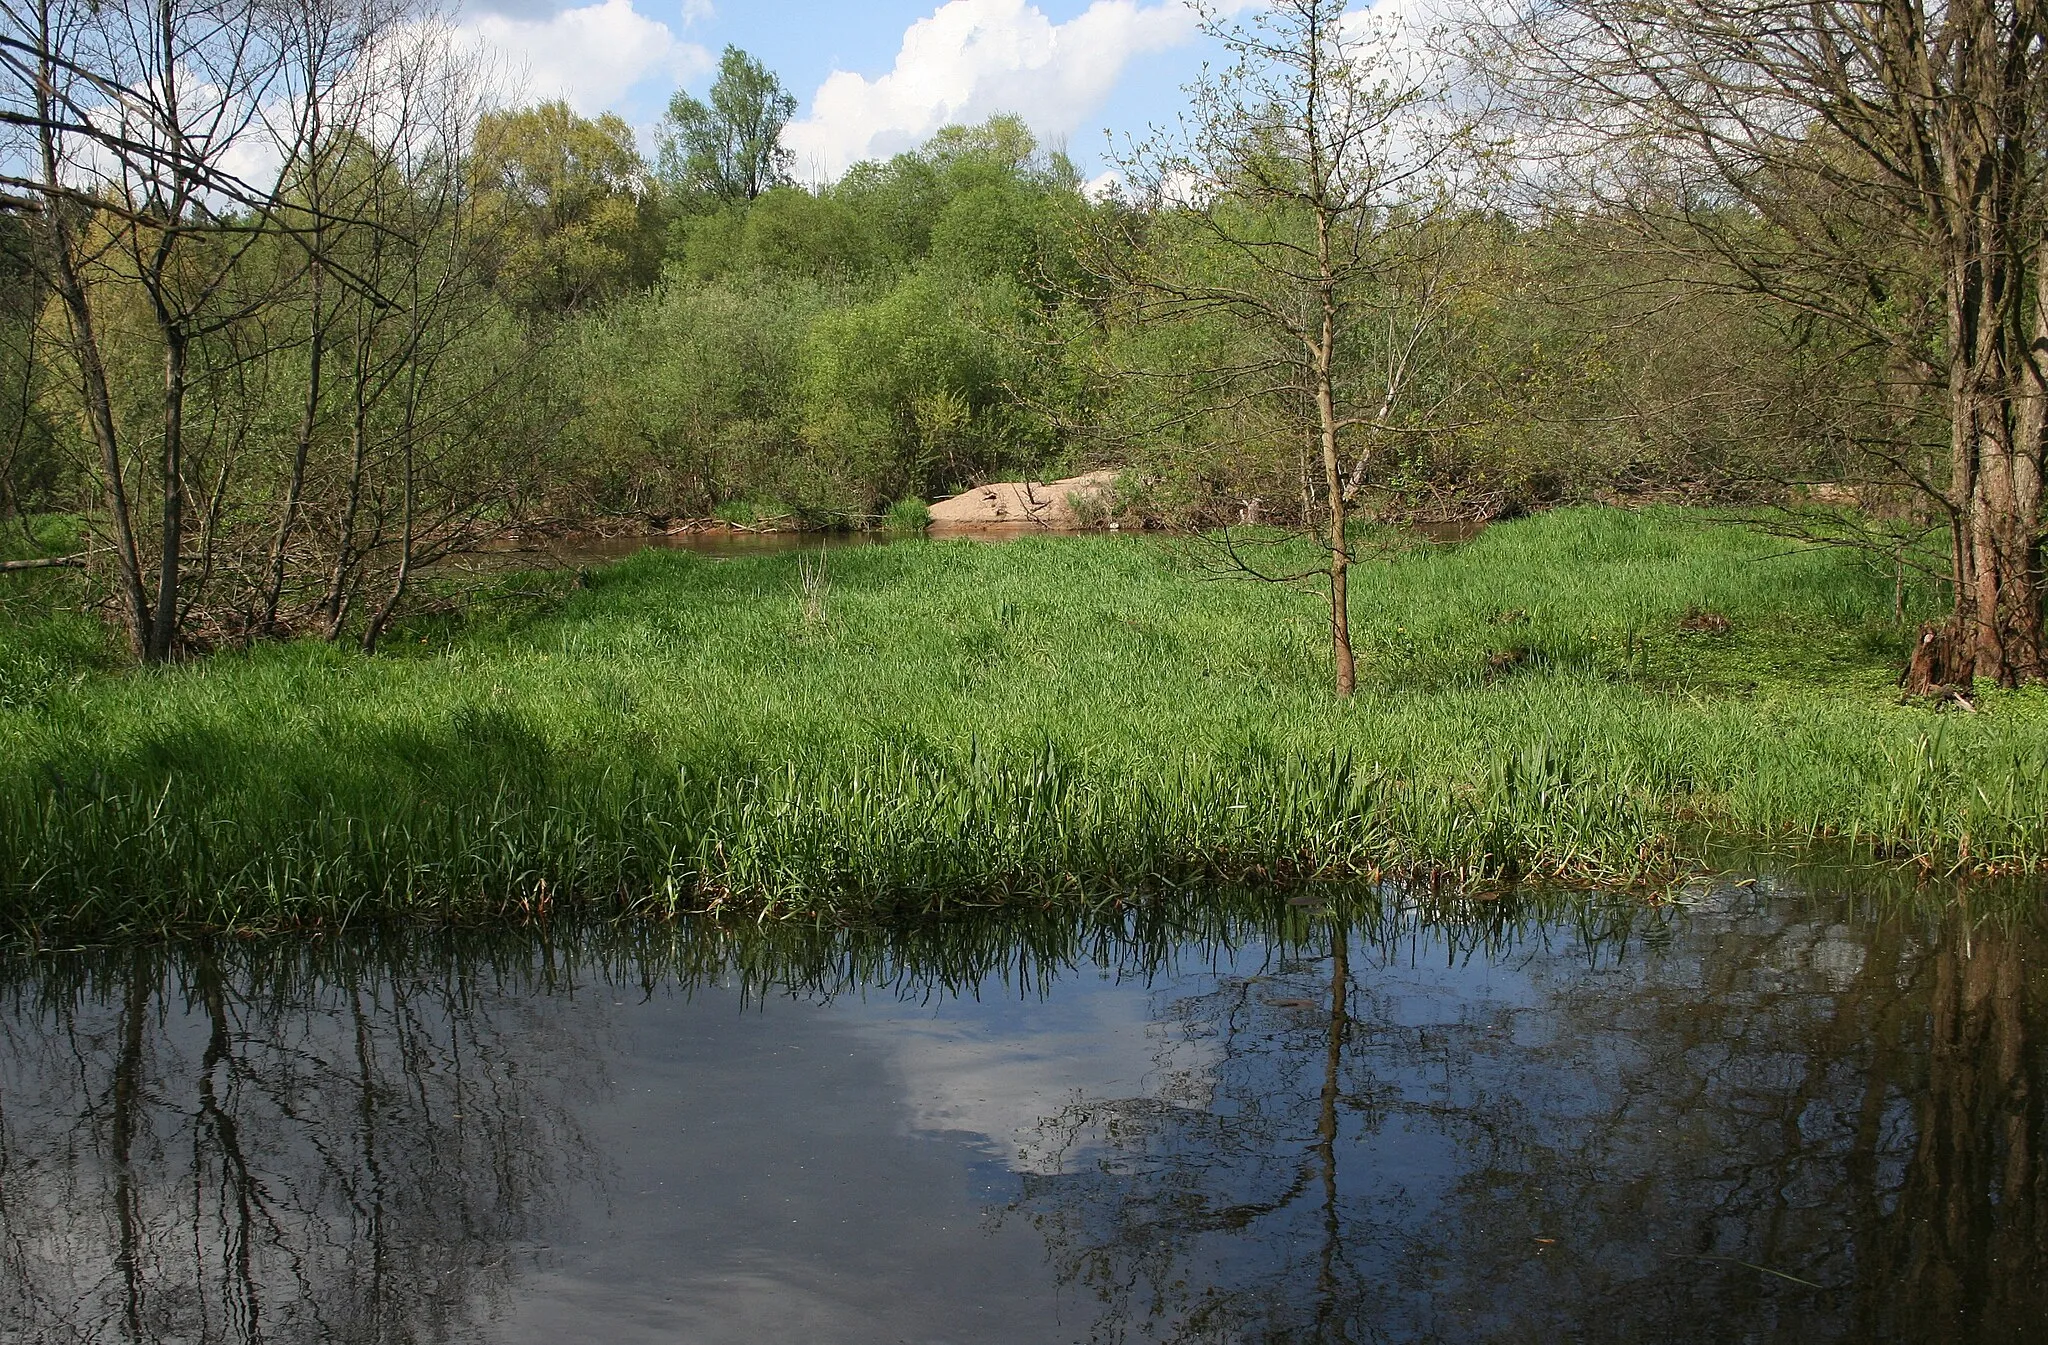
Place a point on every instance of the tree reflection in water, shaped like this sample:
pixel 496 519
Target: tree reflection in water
pixel 1768 1119
pixel 335 1143
pixel 1735 1127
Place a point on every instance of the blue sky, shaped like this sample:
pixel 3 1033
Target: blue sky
pixel 870 79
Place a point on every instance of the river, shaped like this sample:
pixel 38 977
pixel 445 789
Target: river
pixel 1763 1113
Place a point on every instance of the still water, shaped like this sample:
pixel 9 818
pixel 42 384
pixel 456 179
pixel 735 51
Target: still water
pixel 1763 1115
pixel 721 544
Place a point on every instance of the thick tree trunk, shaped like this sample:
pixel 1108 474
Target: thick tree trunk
pixel 1996 504
pixel 1994 418
pixel 2005 570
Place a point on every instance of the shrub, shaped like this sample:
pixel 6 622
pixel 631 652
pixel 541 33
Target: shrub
pixel 911 515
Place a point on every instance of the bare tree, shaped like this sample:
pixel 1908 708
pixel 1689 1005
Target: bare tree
pixel 1877 165
pixel 1308 202
pixel 271 202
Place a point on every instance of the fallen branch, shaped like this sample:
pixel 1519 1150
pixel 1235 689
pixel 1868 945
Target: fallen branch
pixel 45 563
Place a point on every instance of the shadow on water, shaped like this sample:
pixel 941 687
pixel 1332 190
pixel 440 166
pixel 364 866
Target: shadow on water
pixel 1762 1114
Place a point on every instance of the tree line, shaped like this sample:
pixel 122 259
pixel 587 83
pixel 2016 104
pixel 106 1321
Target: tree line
pixel 295 311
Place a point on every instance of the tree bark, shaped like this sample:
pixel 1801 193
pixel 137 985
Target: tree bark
pixel 85 350
pixel 1325 358
pixel 164 625
pixel 336 602
pixel 1339 543
pixel 302 447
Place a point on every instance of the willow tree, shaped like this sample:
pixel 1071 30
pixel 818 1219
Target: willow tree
pixel 1875 164
pixel 1306 204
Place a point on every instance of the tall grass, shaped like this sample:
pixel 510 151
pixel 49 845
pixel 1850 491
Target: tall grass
pixel 946 725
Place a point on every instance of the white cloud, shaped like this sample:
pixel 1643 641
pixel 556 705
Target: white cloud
pixel 591 56
pixel 974 58
pixel 1038 1099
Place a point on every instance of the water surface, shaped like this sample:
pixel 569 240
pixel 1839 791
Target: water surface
pixel 577 549
pixel 1762 1116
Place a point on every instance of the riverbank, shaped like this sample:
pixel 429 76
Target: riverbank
pixel 1587 697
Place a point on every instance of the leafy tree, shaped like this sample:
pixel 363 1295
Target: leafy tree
pixel 563 219
pixel 686 398
pixel 729 149
pixel 786 232
pixel 919 388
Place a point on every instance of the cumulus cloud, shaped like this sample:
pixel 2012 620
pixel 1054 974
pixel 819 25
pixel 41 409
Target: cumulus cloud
pixel 973 58
pixel 590 56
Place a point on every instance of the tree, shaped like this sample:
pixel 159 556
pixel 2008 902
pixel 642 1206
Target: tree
pixel 730 149
pixel 138 123
pixel 563 221
pixel 1306 207
pixel 1879 167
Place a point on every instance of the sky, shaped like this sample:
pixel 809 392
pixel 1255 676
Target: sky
pixel 871 79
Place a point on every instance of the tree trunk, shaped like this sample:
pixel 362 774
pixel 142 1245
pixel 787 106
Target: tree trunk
pixel 1995 500
pixel 374 630
pixel 85 348
pixel 164 626
pixel 302 446
pixel 1340 546
pixel 1324 357
pixel 1995 478
pixel 336 601
pixel 2005 508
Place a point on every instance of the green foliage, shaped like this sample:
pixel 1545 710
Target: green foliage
pixel 46 642
pixel 750 513
pixel 1047 720
pixel 562 218
pixel 785 234
pixel 911 515
pixel 685 399
pixel 913 391
pixel 730 149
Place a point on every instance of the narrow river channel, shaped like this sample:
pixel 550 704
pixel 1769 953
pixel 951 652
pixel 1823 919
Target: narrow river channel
pixel 1760 1115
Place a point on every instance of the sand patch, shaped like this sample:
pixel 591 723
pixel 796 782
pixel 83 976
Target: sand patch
pixel 1067 506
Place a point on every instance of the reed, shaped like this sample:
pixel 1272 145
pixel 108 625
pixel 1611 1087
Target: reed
pixel 938 726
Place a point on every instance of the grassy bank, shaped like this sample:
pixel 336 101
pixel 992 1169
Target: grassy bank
pixel 926 725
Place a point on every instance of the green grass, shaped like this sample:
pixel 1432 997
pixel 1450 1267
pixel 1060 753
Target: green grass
pixel 943 725
pixel 907 515
pixel 46 641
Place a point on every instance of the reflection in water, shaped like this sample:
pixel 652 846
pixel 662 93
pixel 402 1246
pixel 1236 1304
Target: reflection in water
pixel 341 1148
pixel 1785 1128
pixel 1761 1118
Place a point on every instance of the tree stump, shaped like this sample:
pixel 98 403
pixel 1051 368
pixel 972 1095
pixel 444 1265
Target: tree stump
pixel 1941 664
